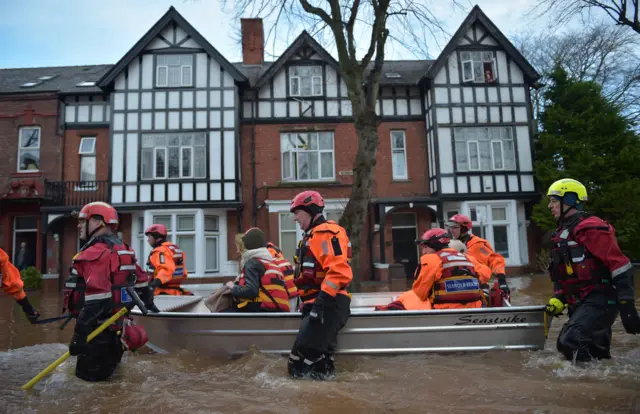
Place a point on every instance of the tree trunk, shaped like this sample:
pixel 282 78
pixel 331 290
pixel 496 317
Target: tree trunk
pixel 355 214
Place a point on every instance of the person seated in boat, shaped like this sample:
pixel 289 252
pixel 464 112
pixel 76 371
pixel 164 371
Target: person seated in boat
pixel 323 275
pixel 459 227
pixel 287 271
pixel 261 286
pixel 431 275
pixel 13 285
pixel 166 263
pixel 591 276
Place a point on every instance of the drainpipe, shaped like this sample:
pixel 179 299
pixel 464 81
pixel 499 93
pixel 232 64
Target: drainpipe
pixel 254 190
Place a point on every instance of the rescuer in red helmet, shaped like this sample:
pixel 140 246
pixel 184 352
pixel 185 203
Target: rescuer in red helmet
pixel 166 263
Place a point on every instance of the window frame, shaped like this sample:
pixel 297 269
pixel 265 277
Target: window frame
pixel 405 176
pixel 28 149
pixel 468 136
pixel 470 60
pixel 298 93
pixel 182 69
pixel 164 175
pixel 293 157
pixel 87 185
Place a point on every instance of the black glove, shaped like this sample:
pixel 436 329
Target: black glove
pixel 28 310
pixel 146 295
pixel 317 311
pixel 78 343
pixel 155 283
pixel 502 283
pixel 629 316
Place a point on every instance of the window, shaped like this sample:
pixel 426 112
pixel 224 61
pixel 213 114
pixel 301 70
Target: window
pixel 142 242
pixel 174 71
pixel 305 81
pixel 307 156
pixel 478 67
pixel 184 234
pixel 211 229
pixel 491 222
pixel 398 155
pixel 174 156
pixel 87 153
pixel 29 149
pixel 484 149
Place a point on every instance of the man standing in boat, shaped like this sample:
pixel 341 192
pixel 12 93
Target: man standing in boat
pixel 288 272
pixel 323 274
pixel 590 274
pixel 459 227
pixel 167 263
pixel 13 285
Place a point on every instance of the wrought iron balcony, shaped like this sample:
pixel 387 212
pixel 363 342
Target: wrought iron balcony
pixel 75 193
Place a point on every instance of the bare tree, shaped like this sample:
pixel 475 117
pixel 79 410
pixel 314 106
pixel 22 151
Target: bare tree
pixel 343 23
pixel 623 12
pixel 608 55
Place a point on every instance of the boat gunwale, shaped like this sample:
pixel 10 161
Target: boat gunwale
pixel 365 314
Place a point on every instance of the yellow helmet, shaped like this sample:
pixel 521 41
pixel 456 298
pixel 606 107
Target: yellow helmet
pixel 567 185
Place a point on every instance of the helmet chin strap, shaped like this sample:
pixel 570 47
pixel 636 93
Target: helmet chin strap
pixel 90 234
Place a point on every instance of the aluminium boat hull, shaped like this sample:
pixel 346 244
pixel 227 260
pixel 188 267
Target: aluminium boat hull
pixel 186 324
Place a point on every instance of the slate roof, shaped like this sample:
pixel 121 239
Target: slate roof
pixel 65 80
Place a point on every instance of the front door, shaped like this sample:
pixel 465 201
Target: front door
pixel 404 235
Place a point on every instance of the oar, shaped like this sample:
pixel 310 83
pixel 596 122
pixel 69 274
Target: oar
pixel 57 318
pixel 136 301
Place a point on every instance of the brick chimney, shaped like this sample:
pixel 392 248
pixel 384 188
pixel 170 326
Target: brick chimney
pixel 252 41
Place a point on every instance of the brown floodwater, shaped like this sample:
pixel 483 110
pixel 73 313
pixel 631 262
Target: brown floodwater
pixel 486 382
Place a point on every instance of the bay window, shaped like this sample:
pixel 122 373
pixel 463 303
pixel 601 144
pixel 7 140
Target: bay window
pixel 307 156
pixel 484 149
pixel 175 155
pixel 198 233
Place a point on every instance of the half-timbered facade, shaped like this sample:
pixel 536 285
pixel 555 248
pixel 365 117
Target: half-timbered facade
pixel 167 133
pixel 174 133
pixel 478 119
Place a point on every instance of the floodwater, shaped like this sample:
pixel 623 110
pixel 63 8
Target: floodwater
pixel 487 382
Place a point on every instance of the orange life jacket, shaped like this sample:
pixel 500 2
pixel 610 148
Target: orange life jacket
pixel 272 294
pixel 459 282
pixel 285 267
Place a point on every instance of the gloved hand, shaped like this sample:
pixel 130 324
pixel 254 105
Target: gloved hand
pixel 317 311
pixel 155 283
pixel 629 316
pixel 28 310
pixel 555 306
pixel 78 343
pixel 146 295
pixel 502 283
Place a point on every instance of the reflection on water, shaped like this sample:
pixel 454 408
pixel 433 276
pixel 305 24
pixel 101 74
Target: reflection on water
pixel 501 381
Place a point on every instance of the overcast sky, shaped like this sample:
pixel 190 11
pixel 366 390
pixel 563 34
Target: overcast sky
pixel 81 32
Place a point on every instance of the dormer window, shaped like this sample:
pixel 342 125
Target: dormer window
pixel 478 66
pixel 305 81
pixel 174 71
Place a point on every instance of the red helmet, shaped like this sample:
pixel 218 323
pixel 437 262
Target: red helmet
pixel 156 228
pixel 307 199
pixel 434 236
pixel 462 220
pixel 106 212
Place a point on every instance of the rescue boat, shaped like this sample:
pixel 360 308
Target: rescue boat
pixel 186 323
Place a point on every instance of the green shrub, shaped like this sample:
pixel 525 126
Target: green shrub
pixel 31 277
